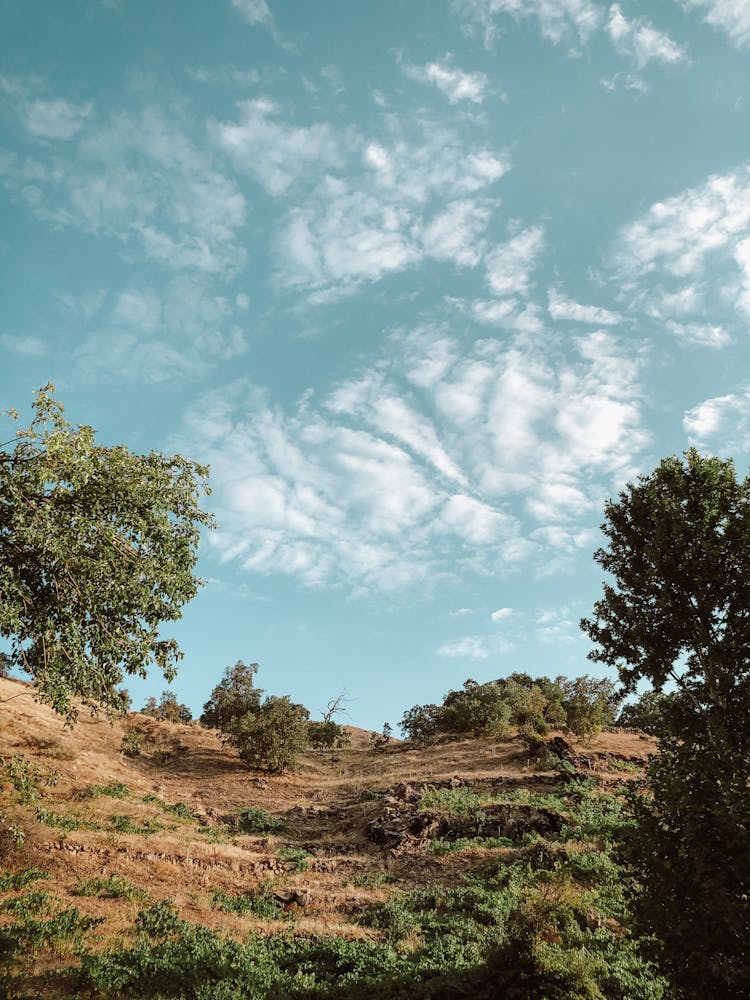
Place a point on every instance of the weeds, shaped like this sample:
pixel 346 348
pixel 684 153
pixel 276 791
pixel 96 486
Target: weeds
pixel 67 822
pixel 297 856
pixel 11 881
pixel 26 777
pixel 258 821
pixel 111 887
pixel 257 904
pixel 115 790
pixel 122 823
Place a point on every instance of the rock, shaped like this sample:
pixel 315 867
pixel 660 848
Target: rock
pixel 293 897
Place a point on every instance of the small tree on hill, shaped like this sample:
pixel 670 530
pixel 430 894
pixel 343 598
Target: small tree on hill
pixel 589 703
pixel 235 695
pixel 167 708
pixel 272 737
pixel 266 734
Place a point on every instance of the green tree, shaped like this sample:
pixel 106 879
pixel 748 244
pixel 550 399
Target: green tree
pixel 233 696
pixel 677 608
pixel 589 703
pixel 97 550
pixel 167 708
pixel 649 712
pixel 271 737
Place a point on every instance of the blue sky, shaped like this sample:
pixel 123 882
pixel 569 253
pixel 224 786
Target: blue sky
pixel 424 283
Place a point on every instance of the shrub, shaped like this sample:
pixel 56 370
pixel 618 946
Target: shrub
pixel 132 741
pixel 327 735
pixel 649 712
pixel 167 708
pixel 257 904
pixel 114 790
pixel 590 704
pixel 254 820
pixel 110 887
pixel 297 856
pixel 272 737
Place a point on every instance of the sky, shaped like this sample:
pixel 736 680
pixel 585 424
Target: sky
pixel 425 284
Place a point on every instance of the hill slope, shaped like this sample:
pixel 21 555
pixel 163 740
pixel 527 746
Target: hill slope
pixel 169 821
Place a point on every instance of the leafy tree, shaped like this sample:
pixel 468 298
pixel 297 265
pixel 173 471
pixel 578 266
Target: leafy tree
pixel 649 712
pixel 97 549
pixel 589 703
pixel 421 723
pixel 677 608
pixel 481 709
pixel 266 734
pixel 272 737
pixel 233 696
pixel 167 708
pixel 327 733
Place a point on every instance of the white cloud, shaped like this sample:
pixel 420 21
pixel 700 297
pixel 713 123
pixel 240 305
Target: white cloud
pixel 452 81
pixel 27 347
pixel 574 22
pixel 562 308
pixel 731 16
pixel 455 233
pixel 276 153
pixel 470 647
pixel 554 626
pixel 174 332
pixel 501 614
pixel 721 424
pixel 687 260
pixel 435 461
pixel 253 11
pixel 509 266
pixel 460 613
pixel 140 180
pixel 397 202
pixel 640 40
pixel 702 334
pixel 558 20
pixel 57 119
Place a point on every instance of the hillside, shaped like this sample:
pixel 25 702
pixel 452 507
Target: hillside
pixel 168 821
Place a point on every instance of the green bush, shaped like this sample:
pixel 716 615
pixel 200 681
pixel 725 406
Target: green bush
pixel 257 904
pixel 115 790
pixel 255 820
pixel 327 735
pixel 271 738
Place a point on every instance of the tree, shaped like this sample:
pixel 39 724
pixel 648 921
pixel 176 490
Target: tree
pixel 233 696
pixel 590 703
pixel 649 712
pixel 679 608
pixel 266 734
pixel 97 550
pixel 272 737
pixel 327 733
pixel 167 708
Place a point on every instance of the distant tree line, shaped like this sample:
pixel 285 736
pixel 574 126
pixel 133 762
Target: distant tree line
pixel 520 704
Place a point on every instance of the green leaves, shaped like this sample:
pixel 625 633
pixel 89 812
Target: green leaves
pixel 97 549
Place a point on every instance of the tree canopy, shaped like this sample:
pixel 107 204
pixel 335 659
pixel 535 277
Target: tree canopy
pixel 678 609
pixel 97 550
